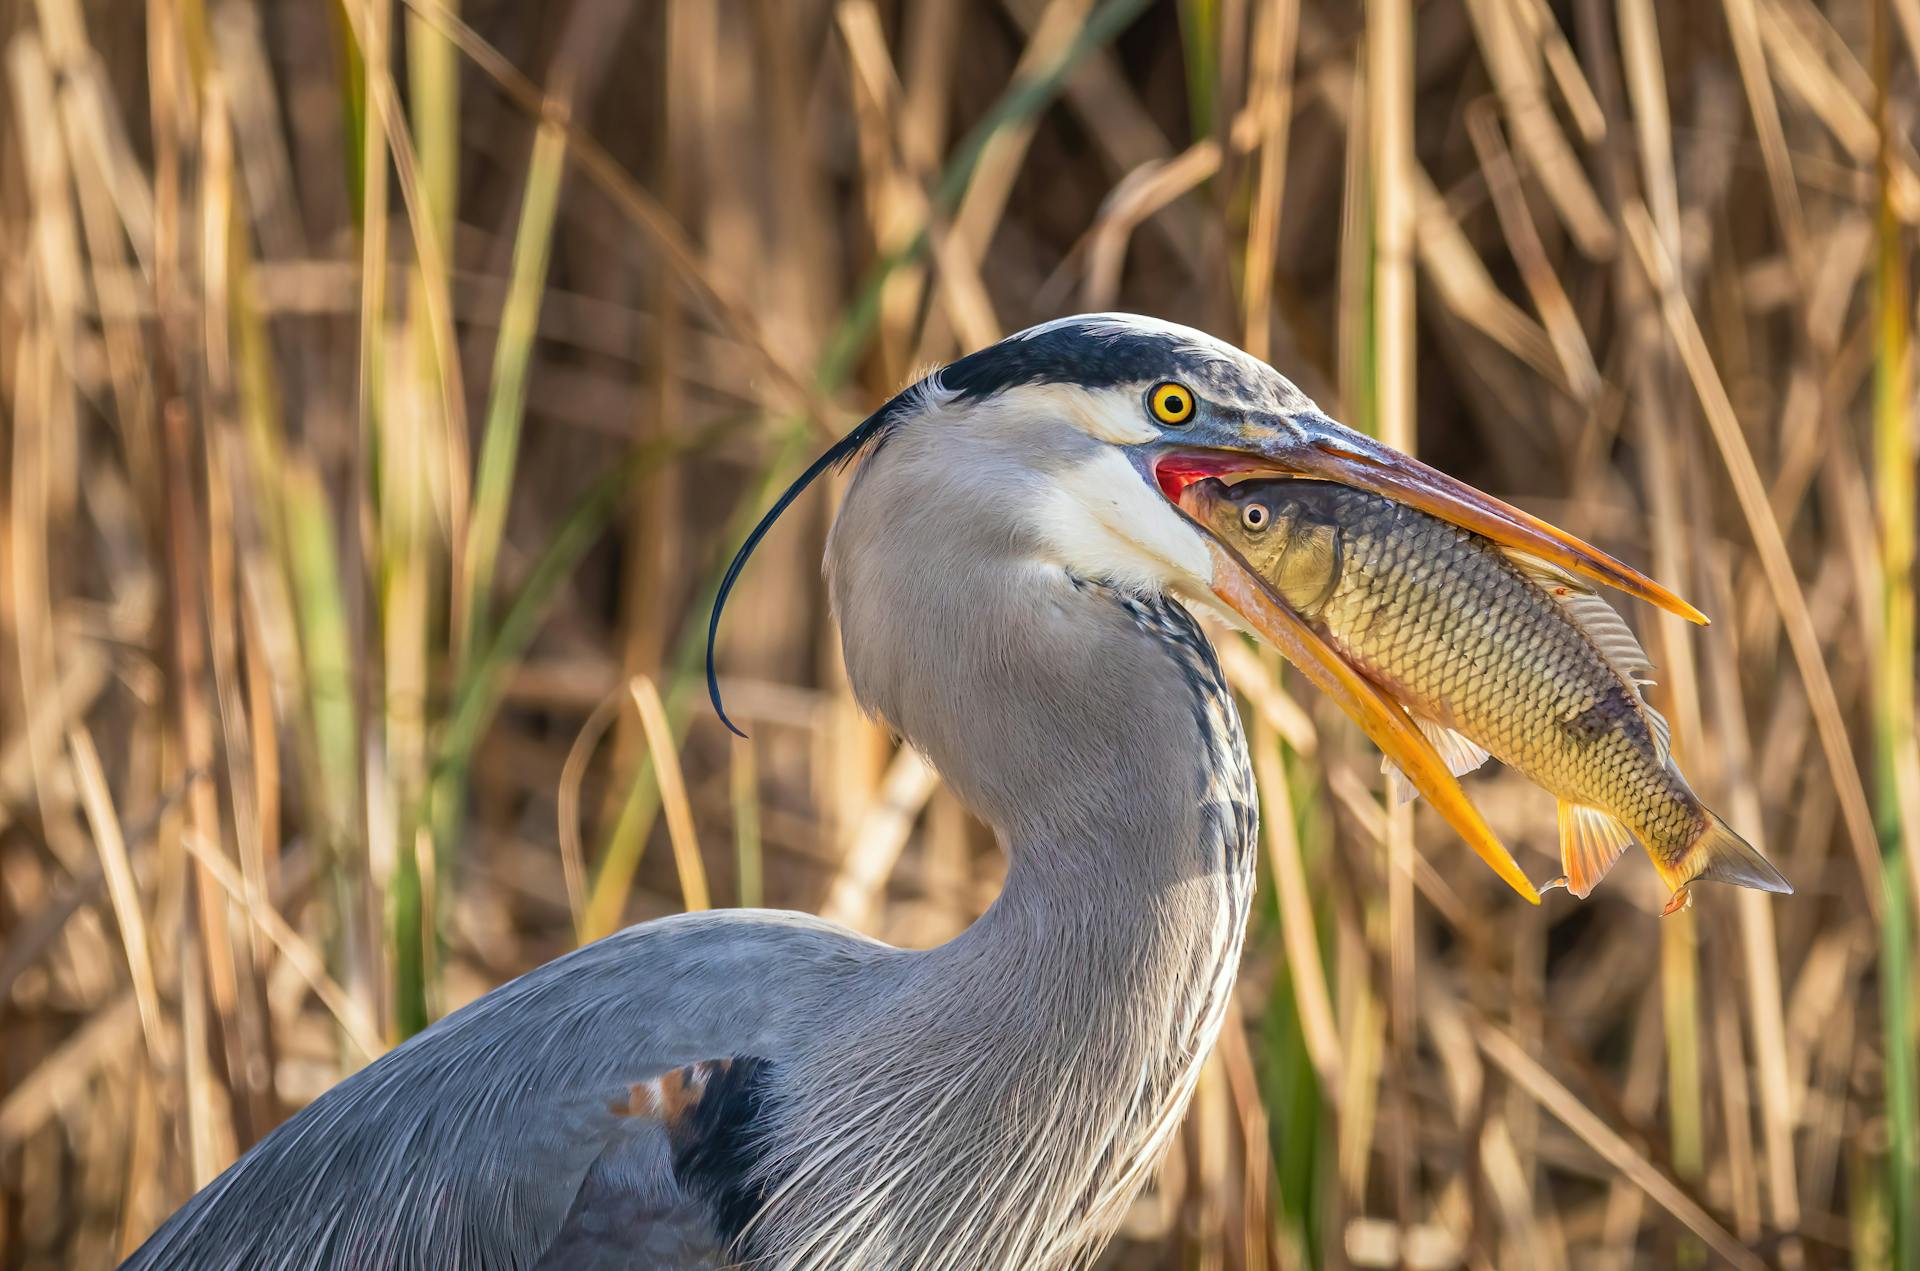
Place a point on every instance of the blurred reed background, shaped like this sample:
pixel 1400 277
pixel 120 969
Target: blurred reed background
pixel 382 384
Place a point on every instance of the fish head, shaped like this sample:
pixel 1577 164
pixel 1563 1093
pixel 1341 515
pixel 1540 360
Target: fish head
pixel 1256 518
pixel 1273 530
pixel 1277 529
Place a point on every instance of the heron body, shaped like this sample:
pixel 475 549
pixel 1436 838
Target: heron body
pixel 1012 585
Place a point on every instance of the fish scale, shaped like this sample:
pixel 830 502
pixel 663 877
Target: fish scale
pixel 1404 609
pixel 1509 654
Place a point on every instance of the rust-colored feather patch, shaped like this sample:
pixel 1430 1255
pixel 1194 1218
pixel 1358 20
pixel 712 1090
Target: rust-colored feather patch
pixel 671 1096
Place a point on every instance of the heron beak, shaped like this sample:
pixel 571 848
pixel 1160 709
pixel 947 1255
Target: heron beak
pixel 1315 446
pixel 1242 590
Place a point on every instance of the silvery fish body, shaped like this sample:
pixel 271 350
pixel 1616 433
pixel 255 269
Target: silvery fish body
pixel 1490 653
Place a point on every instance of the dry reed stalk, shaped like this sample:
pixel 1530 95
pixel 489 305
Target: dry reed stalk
pixel 744 791
pixel 1663 457
pixel 299 954
pixel 1391 318
pixel 1896 742
pixel 573 860
pixel 1254 679
pixel 1617 1151
pixel 646 214
pixel 1514 61
pixel 1530 255
pixel 673 794
pixel 1275 33
pixel 1298 929
pixel 121 888
pixel 1759 942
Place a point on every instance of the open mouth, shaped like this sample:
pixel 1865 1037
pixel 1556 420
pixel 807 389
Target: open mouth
pixel 1178 469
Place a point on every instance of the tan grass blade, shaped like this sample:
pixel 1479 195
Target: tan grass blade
pixel 673 793
pixel 573 859
pixel 121 887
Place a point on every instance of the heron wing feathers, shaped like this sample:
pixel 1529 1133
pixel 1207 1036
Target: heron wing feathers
pixel 542 1115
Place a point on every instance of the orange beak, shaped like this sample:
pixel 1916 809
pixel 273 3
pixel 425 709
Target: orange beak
pixel 1317 447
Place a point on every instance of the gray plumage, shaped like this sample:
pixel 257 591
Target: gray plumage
pixel 767 1088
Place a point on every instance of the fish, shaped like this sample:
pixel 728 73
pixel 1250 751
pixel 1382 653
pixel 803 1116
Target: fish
pixel 1491 652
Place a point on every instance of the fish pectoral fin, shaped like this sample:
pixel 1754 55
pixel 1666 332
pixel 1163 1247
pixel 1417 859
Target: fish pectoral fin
pixel 1400 791
pixel 1460 753
pixel 1609 632
pixel 1590 842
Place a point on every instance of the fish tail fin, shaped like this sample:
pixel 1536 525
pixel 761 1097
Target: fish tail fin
pixel 1590 842
pixel 1719 855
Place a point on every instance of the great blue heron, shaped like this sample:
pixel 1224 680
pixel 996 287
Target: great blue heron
pixel 1011 580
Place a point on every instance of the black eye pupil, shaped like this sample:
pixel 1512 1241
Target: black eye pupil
pixel 1255 516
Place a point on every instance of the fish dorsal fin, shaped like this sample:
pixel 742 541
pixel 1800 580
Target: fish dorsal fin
pixel 1460 754
pixel 1661 730
pixel 1607 629
pixel 1590 842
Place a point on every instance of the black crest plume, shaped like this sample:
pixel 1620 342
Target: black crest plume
pixel 840 452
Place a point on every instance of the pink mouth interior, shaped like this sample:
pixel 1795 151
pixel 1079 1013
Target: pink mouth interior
pixel 1177 471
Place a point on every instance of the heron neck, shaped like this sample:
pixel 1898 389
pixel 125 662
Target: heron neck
pixel 1131 878
pixel 1103 972
pixel 1053 1045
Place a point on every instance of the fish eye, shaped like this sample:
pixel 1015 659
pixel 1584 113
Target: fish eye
pixel 1254 516
pixel 1170 403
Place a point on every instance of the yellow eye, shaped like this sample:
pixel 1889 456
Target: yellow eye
pixel 1171 403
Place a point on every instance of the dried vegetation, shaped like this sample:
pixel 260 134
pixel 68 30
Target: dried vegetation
pixel 381 385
